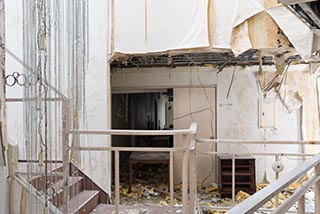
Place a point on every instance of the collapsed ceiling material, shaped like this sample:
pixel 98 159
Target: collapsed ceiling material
pixel 194 59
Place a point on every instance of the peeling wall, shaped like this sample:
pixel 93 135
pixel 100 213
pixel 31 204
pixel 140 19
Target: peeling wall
pixel 237 116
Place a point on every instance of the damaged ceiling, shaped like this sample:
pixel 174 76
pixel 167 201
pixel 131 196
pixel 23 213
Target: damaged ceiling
pixel 306 10
pixel 194 59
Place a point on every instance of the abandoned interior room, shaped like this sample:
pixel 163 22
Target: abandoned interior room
pixel 159 106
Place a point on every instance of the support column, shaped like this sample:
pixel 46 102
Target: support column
pixel 3 182
pixel 98 164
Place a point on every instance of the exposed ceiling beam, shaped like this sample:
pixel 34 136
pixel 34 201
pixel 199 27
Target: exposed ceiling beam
pixel 311 13
pixel 288 2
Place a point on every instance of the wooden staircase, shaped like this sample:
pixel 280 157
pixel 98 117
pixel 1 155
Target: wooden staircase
pixel 85 196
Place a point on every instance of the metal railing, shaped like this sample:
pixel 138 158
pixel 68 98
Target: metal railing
pixel 188 160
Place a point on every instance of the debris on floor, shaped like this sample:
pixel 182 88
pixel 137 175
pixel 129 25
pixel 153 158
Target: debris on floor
pixel 150 187
pixel 241 196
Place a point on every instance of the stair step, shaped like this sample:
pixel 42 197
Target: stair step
pixel 82 203
pixel 75 186
pixel 39 182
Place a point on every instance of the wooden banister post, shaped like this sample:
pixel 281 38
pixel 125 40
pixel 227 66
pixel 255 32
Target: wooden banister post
pixel 317 191
pixel 117 182
pixel 233 179
pixel 193 180
pixel 171 184
pixel 66 151
pixel 301 205
pixel 185 176
pixel 12 159
pixel 277 177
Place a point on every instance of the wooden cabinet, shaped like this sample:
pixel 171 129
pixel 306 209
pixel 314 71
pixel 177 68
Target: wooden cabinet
pixel 245 178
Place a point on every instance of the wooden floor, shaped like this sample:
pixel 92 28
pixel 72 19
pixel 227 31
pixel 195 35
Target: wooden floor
pixel 139 209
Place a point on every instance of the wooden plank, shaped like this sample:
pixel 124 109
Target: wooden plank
pixel 171 184
pixel 260 198
pixel 117 181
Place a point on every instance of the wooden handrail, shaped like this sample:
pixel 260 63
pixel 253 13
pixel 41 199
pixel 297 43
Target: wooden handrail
pixel 234 141
pixel 283 208
pixel 121 132
pixel 258 199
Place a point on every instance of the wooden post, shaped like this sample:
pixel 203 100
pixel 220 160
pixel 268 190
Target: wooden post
pixel 317 191
pixel 233 179
pixel 66 151
pixel 171 184
pixel 185 176
pixel 117 182
pixel 192 181
pixel 12 159
pixel 301 205
pixel 277 177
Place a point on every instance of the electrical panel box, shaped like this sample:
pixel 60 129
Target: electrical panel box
pixel 267 113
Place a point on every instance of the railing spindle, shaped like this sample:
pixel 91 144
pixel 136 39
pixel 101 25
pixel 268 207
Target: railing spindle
pixel 171 184
pixel 117 182
pixel 301 205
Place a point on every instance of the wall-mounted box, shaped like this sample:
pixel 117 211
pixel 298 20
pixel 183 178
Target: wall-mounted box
pixel 267 113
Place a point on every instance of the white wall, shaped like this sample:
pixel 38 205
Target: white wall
pixel 97 164
pixel 14 44
pixel 202 101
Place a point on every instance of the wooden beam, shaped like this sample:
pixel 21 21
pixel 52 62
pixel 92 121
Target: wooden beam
pixel 287 2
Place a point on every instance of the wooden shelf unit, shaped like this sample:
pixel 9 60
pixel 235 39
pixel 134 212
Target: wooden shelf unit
pixel 245 175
